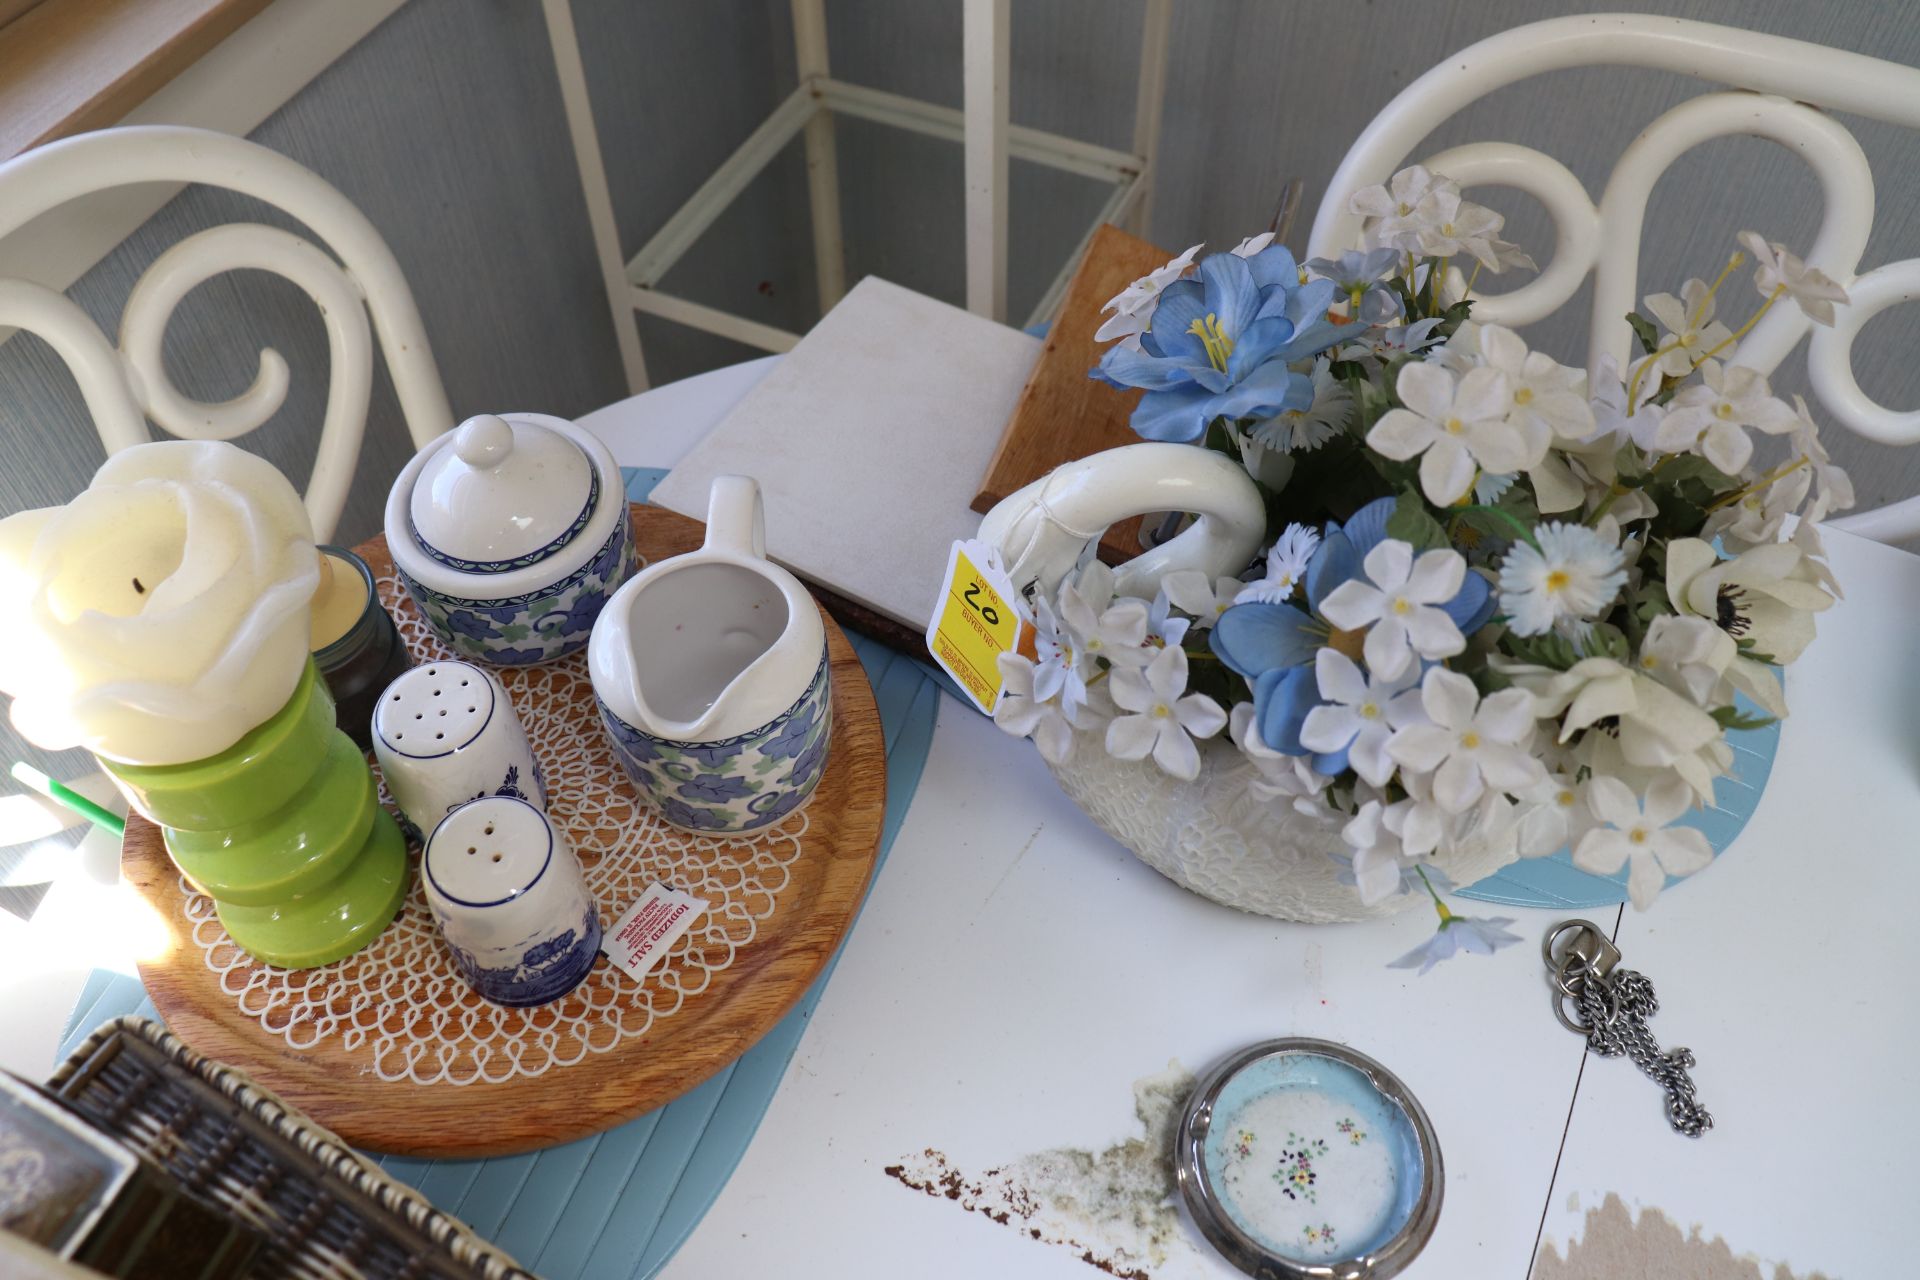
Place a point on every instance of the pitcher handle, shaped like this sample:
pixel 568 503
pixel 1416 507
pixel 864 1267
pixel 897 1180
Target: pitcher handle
pixel 736 517
pixel 1041 530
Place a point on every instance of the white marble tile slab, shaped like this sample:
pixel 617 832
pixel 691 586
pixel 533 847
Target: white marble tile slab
pixel 869 440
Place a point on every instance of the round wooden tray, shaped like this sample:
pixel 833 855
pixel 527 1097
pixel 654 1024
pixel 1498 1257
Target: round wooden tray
pixel 739 1003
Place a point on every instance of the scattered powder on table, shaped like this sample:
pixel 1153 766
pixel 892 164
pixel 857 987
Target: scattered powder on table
pixel 1113 1207
pixel 1654 1248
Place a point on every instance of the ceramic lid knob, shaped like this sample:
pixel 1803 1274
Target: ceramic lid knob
pixel 483 441
pixel 503 493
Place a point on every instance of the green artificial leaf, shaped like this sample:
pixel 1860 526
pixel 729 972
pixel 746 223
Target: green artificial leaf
pixel 1732 718
pixel 1370 402
pixel 1752 654
pixel 1411 522
pixel 1209 675
pixel 1550 650
pixel 1630 466
pixel 1605 640
pixel 1677 517
pixel 1333 482
pixel 1403 290
pixel 1219 438
pixel 1684 467
pixel 1650 604
pixel 1518 502
pixel 1643 330
pixel 1489 681
pixel 1476 527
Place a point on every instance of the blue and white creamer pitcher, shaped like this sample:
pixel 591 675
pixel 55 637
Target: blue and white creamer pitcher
pixel 712 676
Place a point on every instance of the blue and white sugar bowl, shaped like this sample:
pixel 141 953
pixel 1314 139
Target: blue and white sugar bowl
pixel 511 533
pixel 507 892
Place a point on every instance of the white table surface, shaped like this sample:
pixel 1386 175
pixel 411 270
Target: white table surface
pixel 1015 971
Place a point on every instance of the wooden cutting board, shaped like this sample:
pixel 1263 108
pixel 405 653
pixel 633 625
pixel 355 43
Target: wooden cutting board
pixel 738 1004
pixel 1063 414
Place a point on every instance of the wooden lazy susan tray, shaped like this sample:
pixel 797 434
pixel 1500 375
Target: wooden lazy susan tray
pixel 389 1049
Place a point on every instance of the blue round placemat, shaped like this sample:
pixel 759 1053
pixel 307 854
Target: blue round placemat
pixel 1553 881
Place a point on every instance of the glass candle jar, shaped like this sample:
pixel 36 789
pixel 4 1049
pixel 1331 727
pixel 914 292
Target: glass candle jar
pixel 364 658
pixel 1302 1158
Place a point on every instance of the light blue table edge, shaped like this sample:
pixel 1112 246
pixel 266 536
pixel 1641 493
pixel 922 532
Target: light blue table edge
pixel 709 1154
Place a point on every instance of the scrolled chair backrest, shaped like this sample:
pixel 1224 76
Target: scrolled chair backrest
pixel 126 386
pixel 1778 89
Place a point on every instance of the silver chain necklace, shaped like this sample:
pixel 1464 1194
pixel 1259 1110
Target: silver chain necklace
pixel 1612 1006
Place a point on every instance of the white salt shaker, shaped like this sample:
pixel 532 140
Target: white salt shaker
pixel 445 734
pixel 511 903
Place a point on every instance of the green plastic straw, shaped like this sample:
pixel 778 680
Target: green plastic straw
pixel 62 794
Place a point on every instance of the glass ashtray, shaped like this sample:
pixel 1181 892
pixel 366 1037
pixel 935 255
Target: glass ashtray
pixel 1304 1160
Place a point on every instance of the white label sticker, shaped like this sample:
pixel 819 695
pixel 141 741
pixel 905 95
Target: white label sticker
pixel 648 929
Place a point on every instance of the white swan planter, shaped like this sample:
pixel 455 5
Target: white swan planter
pixel 1211 835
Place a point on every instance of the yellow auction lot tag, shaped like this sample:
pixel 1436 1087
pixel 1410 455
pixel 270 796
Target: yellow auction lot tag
pixel 976 620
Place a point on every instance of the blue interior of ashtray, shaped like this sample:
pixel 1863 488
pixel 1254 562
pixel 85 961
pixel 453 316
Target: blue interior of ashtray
pixel 1345 1087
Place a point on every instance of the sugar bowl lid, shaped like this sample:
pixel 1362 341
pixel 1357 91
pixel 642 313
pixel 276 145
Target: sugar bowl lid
pixel 1303 1159
pixel 500 494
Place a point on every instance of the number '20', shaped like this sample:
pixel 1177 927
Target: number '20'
pixel 986 611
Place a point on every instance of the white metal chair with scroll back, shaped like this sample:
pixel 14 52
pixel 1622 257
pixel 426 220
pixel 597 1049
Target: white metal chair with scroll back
pixel 1778 88
pixel 126 386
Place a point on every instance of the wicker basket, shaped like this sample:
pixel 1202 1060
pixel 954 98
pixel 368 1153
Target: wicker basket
pixel 325 1211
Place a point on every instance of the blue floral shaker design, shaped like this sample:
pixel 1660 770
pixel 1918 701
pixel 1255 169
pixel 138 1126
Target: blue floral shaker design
pixel 712 677
pixel 511 903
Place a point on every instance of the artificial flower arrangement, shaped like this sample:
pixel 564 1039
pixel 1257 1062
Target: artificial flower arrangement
pixel 1494 590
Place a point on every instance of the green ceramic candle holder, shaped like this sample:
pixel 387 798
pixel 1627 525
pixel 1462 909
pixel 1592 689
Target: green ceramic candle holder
pixel 284 831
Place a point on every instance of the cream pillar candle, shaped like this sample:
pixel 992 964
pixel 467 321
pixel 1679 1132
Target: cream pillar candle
pixel 337 604
pixel 164 612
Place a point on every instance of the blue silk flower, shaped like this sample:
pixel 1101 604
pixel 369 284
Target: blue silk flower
pixel 1273 645
pixel 1220 345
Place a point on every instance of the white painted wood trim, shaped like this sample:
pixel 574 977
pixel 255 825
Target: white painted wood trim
pixel 823 164
pixel 698 315
pixel 1149 102
pixel 593 186
pixel 1119 205
pixel 986 55
pixel 232 89
pixel 721 189
pixel 1070 155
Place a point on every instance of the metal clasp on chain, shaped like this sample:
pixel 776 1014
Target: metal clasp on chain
pixel 1611 1006
pixel 1588 955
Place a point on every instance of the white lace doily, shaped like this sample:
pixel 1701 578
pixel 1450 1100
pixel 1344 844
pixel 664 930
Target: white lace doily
pixel 399 1006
